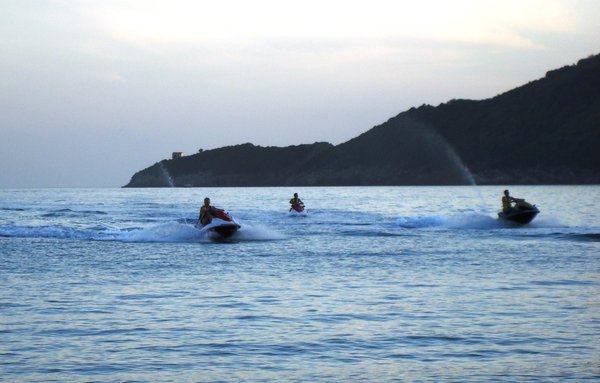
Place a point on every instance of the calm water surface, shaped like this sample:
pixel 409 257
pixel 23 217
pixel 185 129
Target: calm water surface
pixel 375 284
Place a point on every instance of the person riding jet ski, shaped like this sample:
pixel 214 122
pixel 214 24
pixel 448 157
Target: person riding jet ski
pixel 296 203
pixel 206 212
pixel 217 220
pixel 521 212
pixel 507 201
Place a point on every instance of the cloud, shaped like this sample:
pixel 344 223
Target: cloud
pixel 148 77
pixel 500 23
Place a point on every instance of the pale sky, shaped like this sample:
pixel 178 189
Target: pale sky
pixel 93 91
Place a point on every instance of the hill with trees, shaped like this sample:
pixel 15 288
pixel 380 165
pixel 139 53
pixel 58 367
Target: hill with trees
pixel 544 132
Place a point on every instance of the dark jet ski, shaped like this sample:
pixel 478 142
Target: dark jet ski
pixel 523 212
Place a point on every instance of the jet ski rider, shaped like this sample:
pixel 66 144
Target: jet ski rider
pixel 206 212
pixel 296 201
pixel 506 201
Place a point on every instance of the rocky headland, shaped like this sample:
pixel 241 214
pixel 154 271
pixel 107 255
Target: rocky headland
pixel 544 132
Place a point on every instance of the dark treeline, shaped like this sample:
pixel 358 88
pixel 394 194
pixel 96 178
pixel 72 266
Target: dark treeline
pixel 544 132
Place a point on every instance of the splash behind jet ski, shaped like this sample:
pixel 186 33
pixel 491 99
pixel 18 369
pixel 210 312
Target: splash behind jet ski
pixel 523 212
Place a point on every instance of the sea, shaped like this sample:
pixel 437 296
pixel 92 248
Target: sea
pixel 374 284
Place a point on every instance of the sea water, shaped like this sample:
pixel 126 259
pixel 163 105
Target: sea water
pixel 374 284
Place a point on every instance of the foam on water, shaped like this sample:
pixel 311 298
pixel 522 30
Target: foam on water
pixel 257 232
pixel 183 230
pixel 163 232
pixel 166 232
pixel 294 213
pixel 459 221
pixel 470 221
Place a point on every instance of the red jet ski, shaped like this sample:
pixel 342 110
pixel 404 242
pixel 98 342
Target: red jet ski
pixel 297 209
pixel 222 225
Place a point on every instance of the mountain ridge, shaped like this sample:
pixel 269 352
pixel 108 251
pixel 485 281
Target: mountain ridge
pixel 544 132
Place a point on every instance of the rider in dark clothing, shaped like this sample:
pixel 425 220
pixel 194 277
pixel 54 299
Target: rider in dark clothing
pixel 506 201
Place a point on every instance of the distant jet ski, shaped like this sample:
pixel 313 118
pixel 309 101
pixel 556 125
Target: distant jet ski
pixel 222 225
pixel 523 212
pixel 297 209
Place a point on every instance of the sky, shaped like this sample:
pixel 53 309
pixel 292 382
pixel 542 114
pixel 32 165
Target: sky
pixel 93 91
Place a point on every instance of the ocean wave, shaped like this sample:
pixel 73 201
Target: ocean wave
pixel 11 209
pixel 43 232
pixel 69 213
pixel 583 237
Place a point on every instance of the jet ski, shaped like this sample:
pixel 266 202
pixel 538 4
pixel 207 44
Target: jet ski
pixel 222 225
pixel 297 210
pixel 523 212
